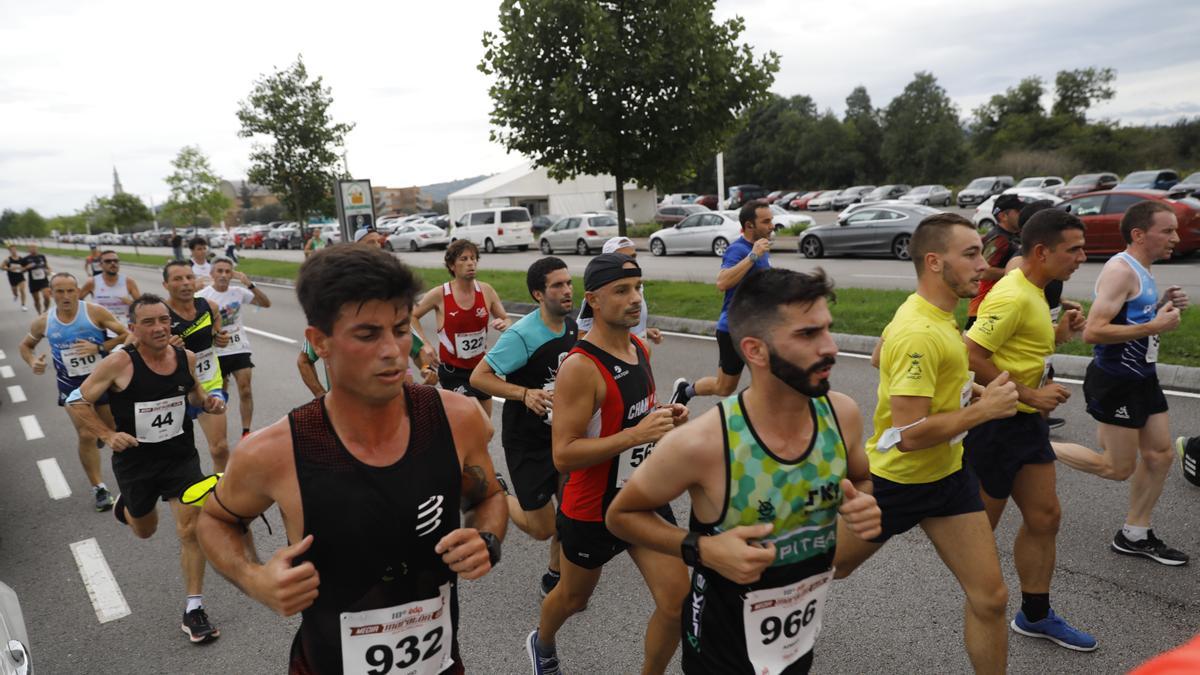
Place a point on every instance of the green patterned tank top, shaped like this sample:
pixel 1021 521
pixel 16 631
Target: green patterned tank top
pixel 800 498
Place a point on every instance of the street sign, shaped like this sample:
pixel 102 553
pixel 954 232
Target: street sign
pixel 355 206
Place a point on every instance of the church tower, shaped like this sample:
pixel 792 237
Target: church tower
pixel 117 189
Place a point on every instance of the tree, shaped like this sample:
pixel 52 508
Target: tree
pixel 126 210
pixel 195 190
pixel 922 140
pixel 8 224
pixel 29 223
pixel 245 195
pixel 866 135
pixel 299 159
pixel 1075 91
pixel 1014 119
pixel 642 91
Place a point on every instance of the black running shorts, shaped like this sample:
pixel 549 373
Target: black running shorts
pixel 1122 402
pixel 459 380
pixel 534 477
pixel 998 449
pixel 730 358
pixel 589 544
pixel 234 362
pixel 143 480
pixel 905 505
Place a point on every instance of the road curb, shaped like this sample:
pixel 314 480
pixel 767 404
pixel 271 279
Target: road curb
pixel 1170 376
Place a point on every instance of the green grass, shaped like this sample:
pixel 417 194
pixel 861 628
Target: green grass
pixel 859 311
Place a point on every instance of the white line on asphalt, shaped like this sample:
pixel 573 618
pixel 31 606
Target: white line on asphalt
pixel 107 598
pixel 32 429
pixel 269 335
pixel 7 372
pixel 1168 392
pixel 52 475
pixel 16 393
pixel 2 355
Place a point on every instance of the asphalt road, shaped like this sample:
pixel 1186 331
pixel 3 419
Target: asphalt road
pixel 899 612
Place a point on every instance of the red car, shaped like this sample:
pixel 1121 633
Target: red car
pixel 1101 212
pixel 707 200
pixel 801 202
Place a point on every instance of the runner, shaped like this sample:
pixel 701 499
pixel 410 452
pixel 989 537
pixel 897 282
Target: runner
pixel 39 271
pixel 196 325
pixel 606 421
pixel 761 544
pixel 176 245
pixel 111 289
pixel 154 453
pixel 626 246
pixel 1012 456
pixel 234 357
pixel 91 264
pixel 1121 385
pixel 1000 244
pixel 201 267
pixel 76 332
pixel 14 267
pixel 527 356
pixel 746 253
pixel 921 418
pixel 368 481
pixel 369 236
pixel 462 306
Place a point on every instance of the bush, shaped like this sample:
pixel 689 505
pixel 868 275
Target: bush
pixel 642 230
pixel 793 230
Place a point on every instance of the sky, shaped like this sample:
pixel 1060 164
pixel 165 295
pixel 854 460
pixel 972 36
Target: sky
pixel 89 85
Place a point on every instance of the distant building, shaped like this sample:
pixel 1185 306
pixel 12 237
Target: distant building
pixel 390 201
pixel 542 195
pixel 117 189
pixel 242 191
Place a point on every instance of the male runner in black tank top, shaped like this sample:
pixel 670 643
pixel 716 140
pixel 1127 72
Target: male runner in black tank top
pixel 369 479
pixel 154 455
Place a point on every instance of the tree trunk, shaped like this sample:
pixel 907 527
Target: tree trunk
pixel 619 202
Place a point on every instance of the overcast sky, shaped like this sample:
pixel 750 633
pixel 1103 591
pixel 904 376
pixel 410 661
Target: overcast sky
pixel 85 85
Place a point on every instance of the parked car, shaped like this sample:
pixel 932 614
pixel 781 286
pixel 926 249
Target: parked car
pixel 1158 179
pixel 740 194
pixel 780 217
pixel 698 233
pixel 416 236
pixel 984 218
pixel 928 195
pixel 543 222
pixel 493 228
pixel 774 195
pixel 1088 182
pixel 851 195
pixel 678 198
pixel 1187 186
pixel 330 232
pixel 710 202
pixel 1101 212
pixel 581 232
pixel 801 201
pixel 885 193
pixel 978 190
pixel 1044 183
pixel 671 214
pixel 15 656
pixel 109 238
pixel 823 201
pixel 786 199
pixel 870 229
pixel 285 236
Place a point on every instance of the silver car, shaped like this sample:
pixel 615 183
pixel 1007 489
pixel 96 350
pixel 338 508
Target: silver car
pixel 867 230
pixel 416 237
pixel 928 195
pixel 583 233
pixel 698 233
pixel 823 201
pixel 14 639
pixel 851 195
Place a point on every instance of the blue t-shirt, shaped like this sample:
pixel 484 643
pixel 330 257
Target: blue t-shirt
pixel 734 254
pixel 519 342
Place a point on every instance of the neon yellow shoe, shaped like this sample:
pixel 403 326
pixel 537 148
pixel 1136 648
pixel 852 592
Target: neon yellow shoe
pixel 197 493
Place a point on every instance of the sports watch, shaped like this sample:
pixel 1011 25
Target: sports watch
pixel 690 549
pixel 493 546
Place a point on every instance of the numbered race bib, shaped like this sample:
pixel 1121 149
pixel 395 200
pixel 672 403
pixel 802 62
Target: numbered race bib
pixel 964 399
pixel 630 460
pixel 468 345
pixel 238 344
pixel 206 364
pixel 1152 349
pixel 79 364
pixel 410 639
pixel 37 274
pixel 158 421
pixel 781 624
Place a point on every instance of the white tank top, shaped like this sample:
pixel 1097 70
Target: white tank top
pixel 109 297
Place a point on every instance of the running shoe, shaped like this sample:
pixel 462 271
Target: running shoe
pixel 1055 422
pixel 104 499
pixel 1151 547
pixel 542 665
pixel 1054 629
pixel 1189 457
pixel 679 391
pixel 119 510
pixel 549 581
pixel 24 308
pixel 198 628
pixel 197 493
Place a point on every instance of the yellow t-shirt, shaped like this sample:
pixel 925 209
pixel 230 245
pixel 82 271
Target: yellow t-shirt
pixel 923 355
pixel 1014 324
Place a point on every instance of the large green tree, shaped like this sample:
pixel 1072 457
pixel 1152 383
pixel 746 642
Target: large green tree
pixel 298 145
pixel 866 136
pixel 127 211
pixel 1075 91
pixel 195 190
pixel 644 91
pixel 922 139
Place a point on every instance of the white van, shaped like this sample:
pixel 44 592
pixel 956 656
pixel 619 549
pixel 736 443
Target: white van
pixel 490 229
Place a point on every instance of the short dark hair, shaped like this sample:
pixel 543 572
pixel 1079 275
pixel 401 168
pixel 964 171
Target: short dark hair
pixel 196 241
pixel 535 277
pixel 754 310
pixel 142 300
pixel 750 210
pixel 63 275
pixel 933 236
pixel 174 263
pixel 106 252
pixel 1046 227
pixel 1032 208
pixel 1140 216
pixel 457 248
pixel 338 275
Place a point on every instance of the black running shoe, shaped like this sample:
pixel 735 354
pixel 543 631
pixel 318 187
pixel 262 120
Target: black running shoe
pixel 1189 456
pixel 104 499
pixel 1055 422
pixel 549 581
pixel 1151 547
pixel 119 510
pixel 679 391
pixel 198 628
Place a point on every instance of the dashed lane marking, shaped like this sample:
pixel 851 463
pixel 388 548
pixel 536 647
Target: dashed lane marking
pixel 7 372
pixel 52 475
pixel 33 430
pixel 2 355
pixel 16 393
pixel 272 336
pixel 107 598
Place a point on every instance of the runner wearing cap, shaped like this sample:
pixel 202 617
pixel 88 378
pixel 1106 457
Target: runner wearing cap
pixel 626 246
pixel 1000 244
pixel 606 422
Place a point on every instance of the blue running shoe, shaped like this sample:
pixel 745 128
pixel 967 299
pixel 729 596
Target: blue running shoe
pixel 1054 629
pixel 542 665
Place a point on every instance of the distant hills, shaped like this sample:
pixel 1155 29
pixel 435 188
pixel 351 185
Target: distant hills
pixel 439 191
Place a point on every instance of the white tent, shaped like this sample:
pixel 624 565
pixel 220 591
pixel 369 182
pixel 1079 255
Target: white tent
pixel 534 189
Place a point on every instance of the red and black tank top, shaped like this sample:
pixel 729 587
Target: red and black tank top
pixel 462 340
pixel 628 397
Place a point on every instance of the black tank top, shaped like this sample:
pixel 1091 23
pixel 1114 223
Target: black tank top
pixel 197 333
pixel 374 530
pixel 153 405
pixel 520 424
pixel 14 267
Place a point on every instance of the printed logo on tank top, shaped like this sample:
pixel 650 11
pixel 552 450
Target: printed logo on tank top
pixel 480 312
pixel 639 409
pixel 619 372
pixel 429 515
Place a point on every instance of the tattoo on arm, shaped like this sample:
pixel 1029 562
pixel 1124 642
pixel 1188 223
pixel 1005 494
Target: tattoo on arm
pixel 474 486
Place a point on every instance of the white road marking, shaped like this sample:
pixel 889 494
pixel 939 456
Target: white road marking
pixel 32 429
pixel 107 598
pixel 52 475
pixel 1168 392
pixel 16 393
pixel 2 355
pixel 273 336
pixel 7 372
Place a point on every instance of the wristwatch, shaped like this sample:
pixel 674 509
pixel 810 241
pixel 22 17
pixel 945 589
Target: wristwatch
pixel 251 286
pixel 493 546
pixel 753 257
pixel 690 549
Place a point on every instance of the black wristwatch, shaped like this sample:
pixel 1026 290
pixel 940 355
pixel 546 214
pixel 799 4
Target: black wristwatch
pixel 493 546
pixel 690 549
